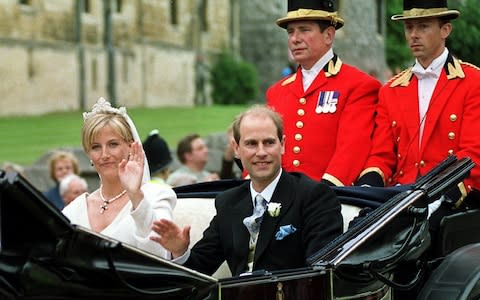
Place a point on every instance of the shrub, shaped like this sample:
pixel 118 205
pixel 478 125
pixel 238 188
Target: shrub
pixel 233 80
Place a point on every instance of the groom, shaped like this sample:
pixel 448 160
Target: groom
pixel 300 215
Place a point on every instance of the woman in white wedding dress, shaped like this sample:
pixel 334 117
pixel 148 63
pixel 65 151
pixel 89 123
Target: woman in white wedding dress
pixel 126 203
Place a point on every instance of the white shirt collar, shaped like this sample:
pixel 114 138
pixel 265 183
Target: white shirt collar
pixel 267 193
pixel 309 75
pixel 434 69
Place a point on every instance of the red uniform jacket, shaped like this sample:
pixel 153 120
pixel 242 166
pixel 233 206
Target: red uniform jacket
pixel 328 127
pixel 452 126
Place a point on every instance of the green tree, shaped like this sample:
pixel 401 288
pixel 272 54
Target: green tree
pixel 464 41
pixel 233 80
pixel 398 53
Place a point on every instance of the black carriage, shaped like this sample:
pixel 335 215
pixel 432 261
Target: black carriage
pixel 385 253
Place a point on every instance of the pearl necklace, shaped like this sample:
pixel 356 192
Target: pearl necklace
pixel 106 202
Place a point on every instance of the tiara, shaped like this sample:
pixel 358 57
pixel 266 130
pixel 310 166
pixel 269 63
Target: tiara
pixel 103 106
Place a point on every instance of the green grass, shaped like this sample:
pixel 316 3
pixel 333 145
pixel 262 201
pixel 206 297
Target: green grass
pixel 25 139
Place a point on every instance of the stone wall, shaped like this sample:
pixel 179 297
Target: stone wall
pixel 55 58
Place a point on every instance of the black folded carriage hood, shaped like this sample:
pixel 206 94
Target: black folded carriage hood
pixel 43 256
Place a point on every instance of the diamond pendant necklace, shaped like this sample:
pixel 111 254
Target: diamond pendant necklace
pixel 106 202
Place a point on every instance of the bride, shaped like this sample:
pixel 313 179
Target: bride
pixel 126 203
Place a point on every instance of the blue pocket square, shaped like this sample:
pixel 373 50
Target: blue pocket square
pixel 284 231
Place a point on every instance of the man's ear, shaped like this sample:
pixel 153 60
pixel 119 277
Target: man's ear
pixel 446 30
pixel 235 148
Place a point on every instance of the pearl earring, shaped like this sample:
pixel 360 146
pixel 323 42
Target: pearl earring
pixel 91 163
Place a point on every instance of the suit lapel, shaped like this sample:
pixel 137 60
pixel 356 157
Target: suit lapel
pixel 282 194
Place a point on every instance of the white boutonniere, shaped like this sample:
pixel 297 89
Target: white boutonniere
pixel 274 209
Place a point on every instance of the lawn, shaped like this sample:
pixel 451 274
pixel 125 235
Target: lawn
pixel 25 139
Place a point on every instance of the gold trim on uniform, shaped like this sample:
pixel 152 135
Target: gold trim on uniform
pixel 455 70
pixel 451 136
pixel 289 80
pixel 296 149
pixel 463 191
pixel 301 112
pixel 403 78
pixel 373 169
pixel 299 124
pixel 296 162
pixel 333 68
pixel 298 137
pixel 332 179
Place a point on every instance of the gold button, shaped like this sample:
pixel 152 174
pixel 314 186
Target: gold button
pixel 416 165
pixel 422 164
pixel 450 152
pixel 390 180
pixel 296 162
pixel 296 149
pixel 302 100
pixel 299 124
pixel 398 139
pixel 394 124
pixel 451 135
pixel 300 112
pixel 453 117
pixel 298 137
pixel 400 173
pixel 399 155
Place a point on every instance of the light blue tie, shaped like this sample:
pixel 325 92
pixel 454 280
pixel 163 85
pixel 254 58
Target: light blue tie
pixel 253 222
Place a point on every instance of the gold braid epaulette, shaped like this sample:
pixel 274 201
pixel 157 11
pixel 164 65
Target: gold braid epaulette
pixel 289 79
pixel 403 78
pixel 469 64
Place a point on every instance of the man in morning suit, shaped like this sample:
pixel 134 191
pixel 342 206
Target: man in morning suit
pixel 301 216
pixel 327 106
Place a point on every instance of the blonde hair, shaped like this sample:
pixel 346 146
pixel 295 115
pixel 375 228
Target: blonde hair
pixel 62 155
pixel 94 123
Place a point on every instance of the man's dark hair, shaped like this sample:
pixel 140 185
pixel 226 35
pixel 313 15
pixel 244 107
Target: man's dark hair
pixel 185 146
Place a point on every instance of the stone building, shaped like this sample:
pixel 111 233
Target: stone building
pixel 60 55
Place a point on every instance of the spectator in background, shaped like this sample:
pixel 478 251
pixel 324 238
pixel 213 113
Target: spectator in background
pixel 192 152
pixel 72 186
pixel 158 156
pixel 228 158
pixel 61 164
